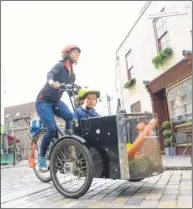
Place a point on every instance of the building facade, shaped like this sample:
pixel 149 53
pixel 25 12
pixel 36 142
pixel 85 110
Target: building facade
pixel 20 129
pixel 160 34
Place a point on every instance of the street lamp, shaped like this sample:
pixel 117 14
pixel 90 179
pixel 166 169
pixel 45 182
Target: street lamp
pixel 169 14
pixel 166 14
pixel 108 101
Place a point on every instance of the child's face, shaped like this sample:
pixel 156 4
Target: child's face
pixel 91 100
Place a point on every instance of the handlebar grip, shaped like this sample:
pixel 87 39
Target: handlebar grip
pixel 62 85
pixel 70 86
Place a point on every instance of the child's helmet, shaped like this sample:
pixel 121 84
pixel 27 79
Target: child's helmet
pixel 84 92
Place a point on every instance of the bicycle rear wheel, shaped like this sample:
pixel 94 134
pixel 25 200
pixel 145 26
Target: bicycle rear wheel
pixel 44 177
pixel 71 162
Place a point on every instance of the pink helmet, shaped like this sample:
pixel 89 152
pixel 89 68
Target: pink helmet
pixel 68 49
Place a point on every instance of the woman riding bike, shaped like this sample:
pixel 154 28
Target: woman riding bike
pixel 48 101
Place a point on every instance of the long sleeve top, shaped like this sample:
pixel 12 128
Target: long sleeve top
pixel 58 73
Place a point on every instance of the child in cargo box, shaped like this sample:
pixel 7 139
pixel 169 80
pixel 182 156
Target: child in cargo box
pixel 87 100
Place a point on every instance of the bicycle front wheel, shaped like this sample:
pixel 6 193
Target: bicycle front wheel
pixel 71 168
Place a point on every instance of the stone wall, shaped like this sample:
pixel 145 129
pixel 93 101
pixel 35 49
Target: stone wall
pixel 22 133
pixel 25 141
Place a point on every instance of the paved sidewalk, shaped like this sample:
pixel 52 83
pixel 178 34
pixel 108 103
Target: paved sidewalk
pixel 172 189
pixel 177 162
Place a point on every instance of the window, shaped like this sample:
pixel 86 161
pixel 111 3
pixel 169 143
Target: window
pixel 161 33
pixel 128 58
pixel 180 102
pixel 136 107
pixel 7 115
pixel 17 114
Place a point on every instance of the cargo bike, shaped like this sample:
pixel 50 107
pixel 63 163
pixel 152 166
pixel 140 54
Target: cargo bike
pixel 122 146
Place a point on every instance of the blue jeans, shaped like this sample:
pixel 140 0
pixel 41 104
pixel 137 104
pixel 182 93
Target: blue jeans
pixel 46 112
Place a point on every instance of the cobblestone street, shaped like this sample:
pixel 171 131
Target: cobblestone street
pixel 173 189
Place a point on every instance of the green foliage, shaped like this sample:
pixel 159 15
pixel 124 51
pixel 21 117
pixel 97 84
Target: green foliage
pixel 130 83
pixel 167 142
pixel 166 125
pixel 167 133
pixel 162 57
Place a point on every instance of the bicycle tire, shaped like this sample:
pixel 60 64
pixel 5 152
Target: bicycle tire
pixel 39 175
pixel 135 180
pixel 89 162
pixel 98 162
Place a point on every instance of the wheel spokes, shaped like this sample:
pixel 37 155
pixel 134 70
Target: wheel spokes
pixel 71 167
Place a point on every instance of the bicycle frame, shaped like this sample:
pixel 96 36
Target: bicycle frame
pixel 73 95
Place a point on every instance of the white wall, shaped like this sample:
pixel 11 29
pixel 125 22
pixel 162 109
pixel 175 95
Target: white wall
pixel 142 42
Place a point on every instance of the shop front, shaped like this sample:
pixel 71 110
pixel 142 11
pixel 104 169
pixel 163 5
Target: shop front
pixel 171 97
pixel 179 100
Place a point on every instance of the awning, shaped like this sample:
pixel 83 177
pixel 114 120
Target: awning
pixel 179 70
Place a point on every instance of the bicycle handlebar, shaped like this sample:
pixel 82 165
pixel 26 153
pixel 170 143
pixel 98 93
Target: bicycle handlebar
pixel 72 90
pixel 70 87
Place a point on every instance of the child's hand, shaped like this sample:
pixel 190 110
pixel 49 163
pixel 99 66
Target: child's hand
pixel 85 103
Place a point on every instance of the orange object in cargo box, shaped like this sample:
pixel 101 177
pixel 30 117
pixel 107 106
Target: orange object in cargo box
pixel 141 138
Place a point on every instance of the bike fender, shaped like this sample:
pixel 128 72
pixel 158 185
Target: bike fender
pixel 75 137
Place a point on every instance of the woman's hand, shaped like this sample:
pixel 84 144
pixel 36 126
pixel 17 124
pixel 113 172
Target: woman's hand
pixel 56 85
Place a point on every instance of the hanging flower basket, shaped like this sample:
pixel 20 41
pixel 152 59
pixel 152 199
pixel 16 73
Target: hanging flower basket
pixel 161 58
pixel 130 83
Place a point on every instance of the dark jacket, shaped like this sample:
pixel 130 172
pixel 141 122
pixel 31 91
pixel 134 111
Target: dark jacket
pixel 58 73
pixel 85 113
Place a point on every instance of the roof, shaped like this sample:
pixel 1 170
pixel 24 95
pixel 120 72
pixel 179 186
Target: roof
pixel 19 111
pixel 174 73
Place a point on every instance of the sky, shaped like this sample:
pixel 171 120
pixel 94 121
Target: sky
pixel 34 32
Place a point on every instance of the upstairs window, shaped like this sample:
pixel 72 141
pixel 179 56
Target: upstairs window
pixel 128 58
pixel 161 33
pixel 136 107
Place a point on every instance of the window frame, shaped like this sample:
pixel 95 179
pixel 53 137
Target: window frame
pixel 173 90
pixel 135 104
pixel 158 39
pixel 127 67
